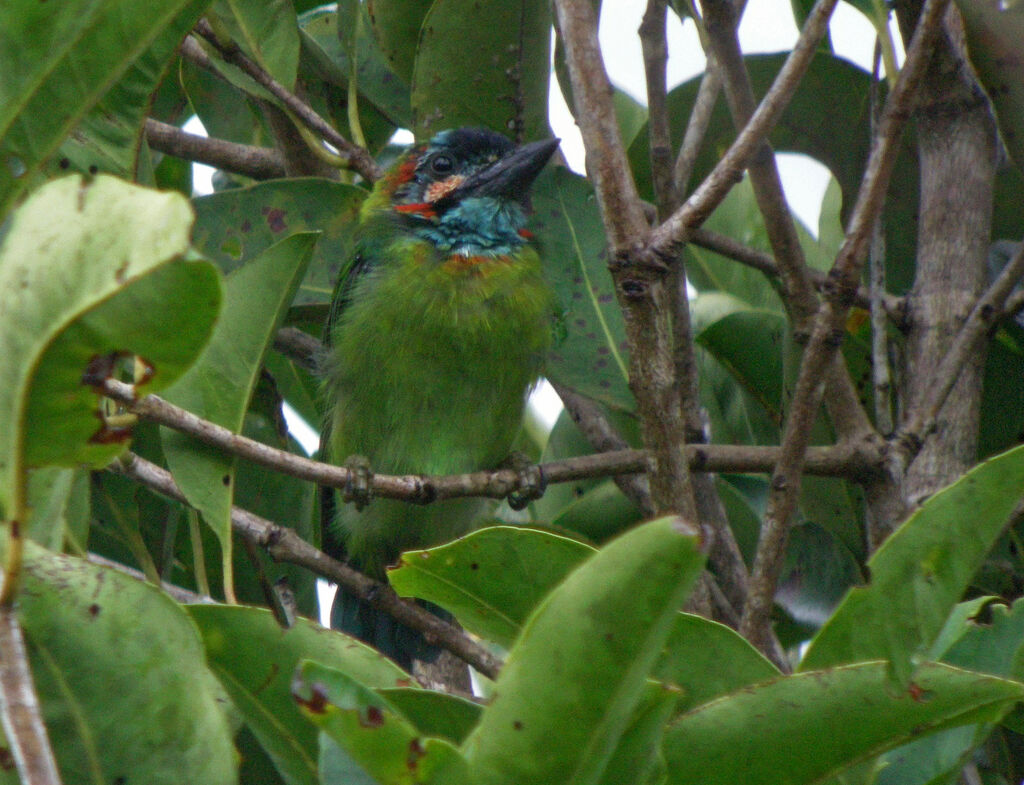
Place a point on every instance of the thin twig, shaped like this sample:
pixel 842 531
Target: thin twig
pixel 677 229
pixel 655 53
pixel 356 157
pixel 829 329
pixel 892 305
pixel 260 163
pixel 696 130
pixel 19 707
pixel 881 379
pixel 179 594
pixel 284 545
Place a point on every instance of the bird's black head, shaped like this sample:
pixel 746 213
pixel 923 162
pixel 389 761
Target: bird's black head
pixel 466 189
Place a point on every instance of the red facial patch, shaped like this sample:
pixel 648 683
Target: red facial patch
pixel 526 234
pixel 425 209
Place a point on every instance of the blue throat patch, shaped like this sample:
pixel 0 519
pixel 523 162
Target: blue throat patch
pixel 477 226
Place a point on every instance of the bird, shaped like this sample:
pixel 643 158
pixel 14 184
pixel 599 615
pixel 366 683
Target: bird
pixel 437 333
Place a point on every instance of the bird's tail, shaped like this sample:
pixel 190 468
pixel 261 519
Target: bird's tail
pixel 382 631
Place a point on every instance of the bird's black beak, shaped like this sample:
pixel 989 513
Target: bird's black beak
pixel 510 176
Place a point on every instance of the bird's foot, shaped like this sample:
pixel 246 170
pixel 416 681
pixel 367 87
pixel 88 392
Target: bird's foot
pixel 358 490
pixel 532 482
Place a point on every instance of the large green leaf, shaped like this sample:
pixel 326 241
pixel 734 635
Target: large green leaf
pixel 60 59
pixel 839 716
pixel 235 226
pixel 435 713
pixel 109 137
pixel 590 353
pixel 993 647
pixel 377 737
pixel 220 385
pixel 396 26
pixel 121 677
pixel 255 660
pixel 921 571
pixel 706 660
pixel 91 271
pixel 375 78
pixel 491 579
pixel 511 39
pixel 577 672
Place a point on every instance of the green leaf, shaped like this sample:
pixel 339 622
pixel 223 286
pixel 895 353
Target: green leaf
pixel 509 94
pixel 219 386
pixel 591 356
pixel 396 25
pixel 921 571
pixel 994 34
pixel 235 226
pixel 638 752
pixel 110 136
pixel 593 507
pixel 121 677
pixel 379 739
pixel 435 713
pixel 266 31
pixel 255 660
pixel 840 717
pixel 737 217
pixel 706 660
pixel 59 501
pixel 749 344
pixel 490 579
pixel 225 111
pixel 375 78
pixel 60 59
pixel 576 673
pixel 993 647
pixel 88 270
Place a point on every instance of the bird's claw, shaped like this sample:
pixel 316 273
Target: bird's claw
pixel 358 490
pixel 532 482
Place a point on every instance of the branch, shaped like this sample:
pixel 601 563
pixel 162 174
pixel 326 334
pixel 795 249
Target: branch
pixel 677 229
pixel 829 329
pixel 355 157
pixel 22 719
pixel 655 53
pixel 260 163
pixel 983 317
pixel 283 544
pixel 300 346
pixel 642 284
pixel 854 461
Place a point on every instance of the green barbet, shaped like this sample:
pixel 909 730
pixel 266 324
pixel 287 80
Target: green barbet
pixel 438 331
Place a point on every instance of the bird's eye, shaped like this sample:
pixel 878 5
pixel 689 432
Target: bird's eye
pixel 442 164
